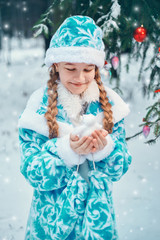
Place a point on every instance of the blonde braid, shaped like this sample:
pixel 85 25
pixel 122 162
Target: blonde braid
pixel 105 105
pixel 52 110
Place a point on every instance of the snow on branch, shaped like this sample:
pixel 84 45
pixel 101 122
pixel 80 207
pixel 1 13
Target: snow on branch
pixel 110 18
pixel 42 28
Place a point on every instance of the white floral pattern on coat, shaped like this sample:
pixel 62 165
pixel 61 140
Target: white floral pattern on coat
pixel 63 201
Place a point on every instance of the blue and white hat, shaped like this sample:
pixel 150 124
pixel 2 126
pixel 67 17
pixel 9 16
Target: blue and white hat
pixel 77 40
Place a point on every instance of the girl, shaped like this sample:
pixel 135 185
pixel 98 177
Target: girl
pixel 72 140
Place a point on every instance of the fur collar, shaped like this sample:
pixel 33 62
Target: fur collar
pixel 30 119
pixel 120 109
pixel 72 103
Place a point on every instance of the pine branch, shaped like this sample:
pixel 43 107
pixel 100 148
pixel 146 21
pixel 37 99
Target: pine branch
pixel 153 140
pixel 146 47
pixel 135 135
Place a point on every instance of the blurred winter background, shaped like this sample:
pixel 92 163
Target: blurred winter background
pixel 136 196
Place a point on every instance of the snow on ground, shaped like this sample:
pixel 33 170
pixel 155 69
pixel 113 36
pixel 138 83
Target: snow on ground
pixel 136 195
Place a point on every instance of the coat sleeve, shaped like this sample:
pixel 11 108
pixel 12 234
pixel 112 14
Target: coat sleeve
pixel 42 161
pixel 115 158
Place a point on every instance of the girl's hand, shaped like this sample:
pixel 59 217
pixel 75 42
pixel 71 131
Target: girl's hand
pixel 99 140
pixel 83 145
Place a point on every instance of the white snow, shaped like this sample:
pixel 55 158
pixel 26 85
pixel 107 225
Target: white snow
pixel 110 23
pixel 115 9
pixel 136 195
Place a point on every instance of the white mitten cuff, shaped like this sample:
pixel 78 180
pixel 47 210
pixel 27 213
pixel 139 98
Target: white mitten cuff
pixel 66 153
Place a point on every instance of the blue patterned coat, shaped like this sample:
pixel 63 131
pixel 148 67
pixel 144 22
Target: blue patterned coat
pixel 68 204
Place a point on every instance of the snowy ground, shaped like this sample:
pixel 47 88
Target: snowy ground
pixel 136 196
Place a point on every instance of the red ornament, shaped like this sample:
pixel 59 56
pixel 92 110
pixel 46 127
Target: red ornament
pixel 140 34
pixel 157 90
pixel 159 49
pixel 146 130
pixel 115 62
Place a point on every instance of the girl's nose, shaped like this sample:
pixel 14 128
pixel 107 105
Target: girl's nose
pixel 79 77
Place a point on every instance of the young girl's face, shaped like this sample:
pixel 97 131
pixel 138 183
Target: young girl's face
pixel 76 77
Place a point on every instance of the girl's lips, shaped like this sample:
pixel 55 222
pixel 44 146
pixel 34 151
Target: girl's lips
pixel 77 84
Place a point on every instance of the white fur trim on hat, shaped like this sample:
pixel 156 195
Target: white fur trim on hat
pixel 75 55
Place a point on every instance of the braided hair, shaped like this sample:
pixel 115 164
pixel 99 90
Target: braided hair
pixel 52 110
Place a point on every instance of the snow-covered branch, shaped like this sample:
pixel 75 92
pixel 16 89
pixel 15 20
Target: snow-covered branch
pixel 110 18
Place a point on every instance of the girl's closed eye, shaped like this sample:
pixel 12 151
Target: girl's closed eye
pixel 73 69
pixel 70 69
pixel 88 70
